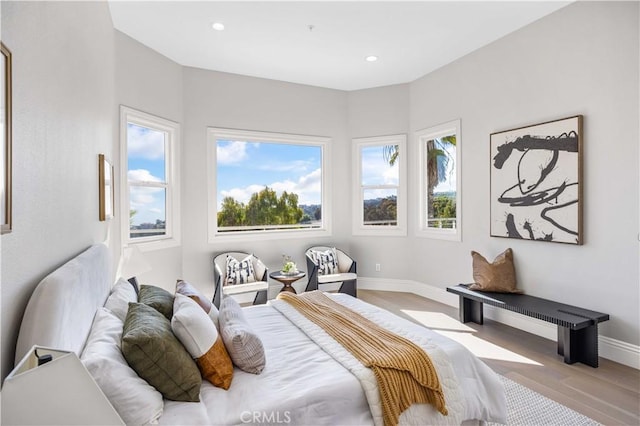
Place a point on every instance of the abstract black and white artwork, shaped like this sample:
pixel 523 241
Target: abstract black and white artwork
pixel 536 182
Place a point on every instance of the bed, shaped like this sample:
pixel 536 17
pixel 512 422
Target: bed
pixel 302 383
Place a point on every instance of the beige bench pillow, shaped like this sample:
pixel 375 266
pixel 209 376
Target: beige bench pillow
pixel 498 276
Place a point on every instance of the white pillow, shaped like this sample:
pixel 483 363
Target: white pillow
pixel 199 335
pixel 133 398
pixel 189 290
pixel 192 326
pixel 118 301
pixel 239 271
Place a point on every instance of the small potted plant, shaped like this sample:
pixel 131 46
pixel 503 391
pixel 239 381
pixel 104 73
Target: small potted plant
pixel 288 265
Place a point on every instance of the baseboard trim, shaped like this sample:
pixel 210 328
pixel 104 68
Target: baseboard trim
pixel 612 349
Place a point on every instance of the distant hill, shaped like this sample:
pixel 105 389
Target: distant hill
pixel 374 202
pixel 310 209
pixel 448 194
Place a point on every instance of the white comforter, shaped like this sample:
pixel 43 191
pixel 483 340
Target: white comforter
pixel 304 385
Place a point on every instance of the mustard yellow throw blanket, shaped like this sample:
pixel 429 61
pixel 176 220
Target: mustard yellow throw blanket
pixel 404 372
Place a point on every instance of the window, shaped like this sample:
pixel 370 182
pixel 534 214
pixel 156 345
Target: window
pixel 150 199
pixel 440 182
pixel 380 190
pixel 267 184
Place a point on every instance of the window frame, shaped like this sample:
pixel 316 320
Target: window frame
pixel 171 184
pixel 422 136
pixel 215 133
pixel 358 227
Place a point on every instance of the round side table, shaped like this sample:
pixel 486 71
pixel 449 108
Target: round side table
pixel 287 279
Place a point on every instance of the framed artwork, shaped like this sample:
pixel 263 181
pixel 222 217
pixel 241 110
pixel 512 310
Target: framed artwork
pixel 536 182
pixel 5 149
pixel 105 188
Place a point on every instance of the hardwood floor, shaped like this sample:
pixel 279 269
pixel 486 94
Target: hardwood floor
pixel 609 394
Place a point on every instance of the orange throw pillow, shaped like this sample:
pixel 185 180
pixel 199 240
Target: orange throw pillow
pixel 498 276
pixel 216 366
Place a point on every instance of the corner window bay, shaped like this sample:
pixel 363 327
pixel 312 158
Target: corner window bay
pixel 265 183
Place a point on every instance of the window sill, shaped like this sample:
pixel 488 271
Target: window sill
pixel 267 235
pixel 153 245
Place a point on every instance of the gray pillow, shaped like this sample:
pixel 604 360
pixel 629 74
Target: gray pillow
pixel 158 298
pixel 153 351
pixel 244 346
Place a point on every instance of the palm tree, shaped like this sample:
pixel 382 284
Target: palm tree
pixel 390 153
pixel 438 158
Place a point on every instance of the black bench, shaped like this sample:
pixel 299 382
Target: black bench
pixel 577 327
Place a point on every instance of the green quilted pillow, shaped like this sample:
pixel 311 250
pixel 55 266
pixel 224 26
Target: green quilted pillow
pixel 153 351
pixel 158 298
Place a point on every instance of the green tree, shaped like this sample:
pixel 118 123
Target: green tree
pixel 232 213
pixel 263 208
pixel 288 211
pixel 444 207
pixel 386 210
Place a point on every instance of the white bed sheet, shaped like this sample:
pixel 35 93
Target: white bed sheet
pixel 303 385
pixel 300 385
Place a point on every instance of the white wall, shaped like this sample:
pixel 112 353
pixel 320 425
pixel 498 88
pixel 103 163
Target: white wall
pixel 152 83
pixel 232 101
pixel 63 100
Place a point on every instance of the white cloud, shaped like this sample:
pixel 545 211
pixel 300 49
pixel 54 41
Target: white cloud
pixel 242 195
pixel 142 175
pixel 231 153
pixel 308 188
pixel 311 182
pixel 376 171
pixel 143 196
pixel 147 201
pixel 145 143
pixel 390 175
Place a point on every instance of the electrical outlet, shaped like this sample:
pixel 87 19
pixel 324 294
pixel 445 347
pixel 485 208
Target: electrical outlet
pixel 377 267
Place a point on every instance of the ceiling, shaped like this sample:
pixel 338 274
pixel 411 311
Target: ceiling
pixel 323 43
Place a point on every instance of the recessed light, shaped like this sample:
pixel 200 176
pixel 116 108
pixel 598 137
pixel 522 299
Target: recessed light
pixel 371 58
pixel 217 26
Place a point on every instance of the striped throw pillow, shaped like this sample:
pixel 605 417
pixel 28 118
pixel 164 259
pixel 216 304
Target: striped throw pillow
pixel 327 261
pixel 243 344
pixel 239 271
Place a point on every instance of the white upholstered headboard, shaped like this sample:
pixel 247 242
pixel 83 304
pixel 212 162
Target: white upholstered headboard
pixel 61 309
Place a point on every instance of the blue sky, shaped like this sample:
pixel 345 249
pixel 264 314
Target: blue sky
pixel 146 161
pixel 245 168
